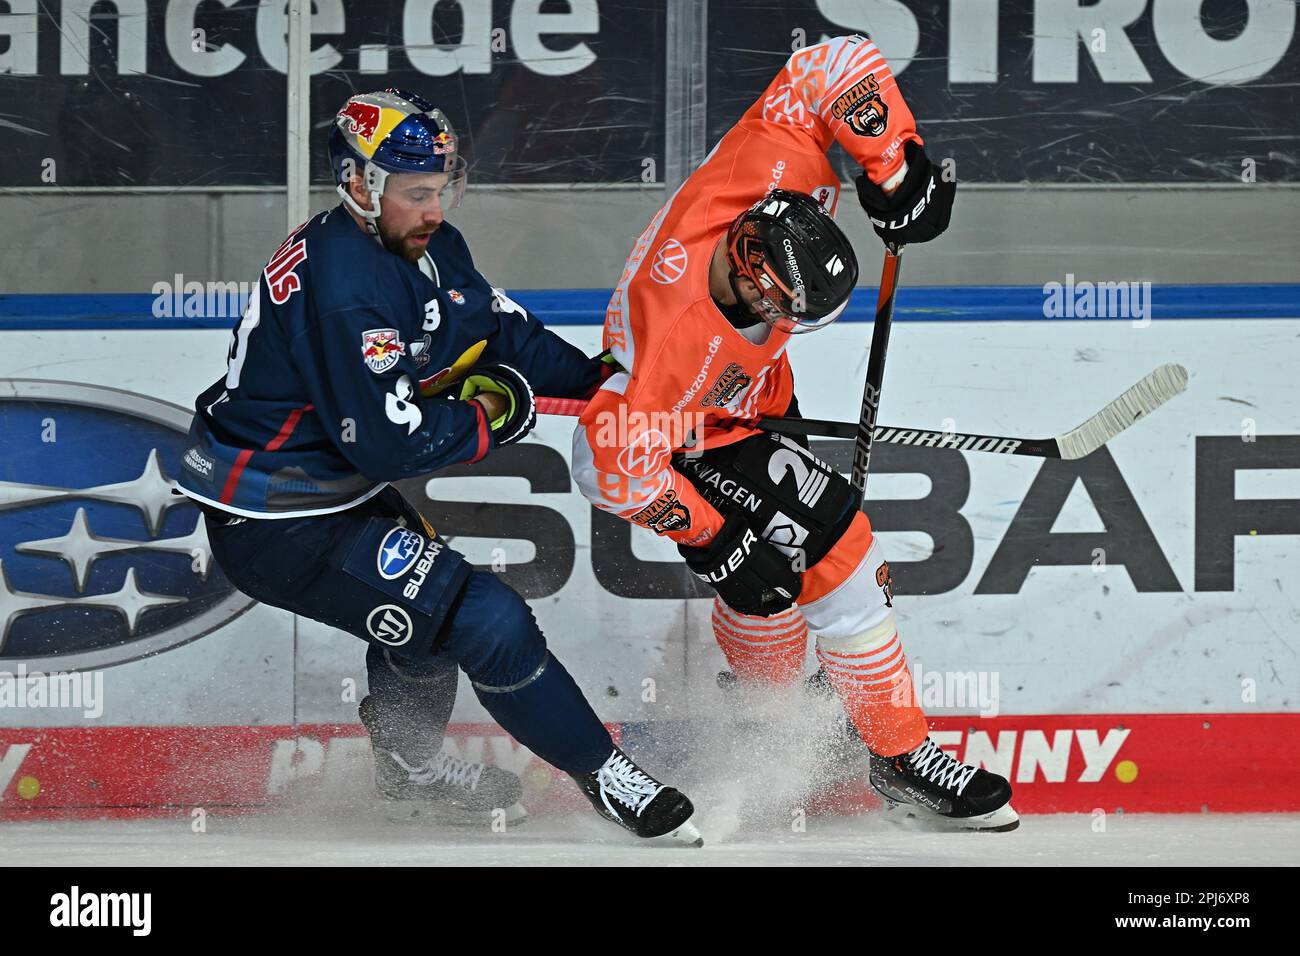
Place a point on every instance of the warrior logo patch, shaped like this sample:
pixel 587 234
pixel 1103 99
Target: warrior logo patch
pixel 862 108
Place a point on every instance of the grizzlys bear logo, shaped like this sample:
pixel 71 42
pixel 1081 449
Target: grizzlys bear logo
pixel 862 107
pixel 730 384
pixel 666 513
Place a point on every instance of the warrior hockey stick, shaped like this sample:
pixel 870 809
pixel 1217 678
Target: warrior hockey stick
pixel 1142 399
pixel 1139 401
pixel 865 434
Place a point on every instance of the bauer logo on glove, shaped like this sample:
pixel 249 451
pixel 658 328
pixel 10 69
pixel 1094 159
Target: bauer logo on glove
pixel 918 210
pixel 520 414
pixel 749 574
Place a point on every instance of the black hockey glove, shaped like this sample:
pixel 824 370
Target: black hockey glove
pixel 750 575
pixel 920 207
pixel 521 412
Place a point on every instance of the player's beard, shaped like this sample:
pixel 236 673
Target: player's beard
pixel 403 246
pixel 739 314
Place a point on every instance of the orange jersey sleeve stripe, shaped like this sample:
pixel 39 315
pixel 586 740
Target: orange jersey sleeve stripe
pixel 842 90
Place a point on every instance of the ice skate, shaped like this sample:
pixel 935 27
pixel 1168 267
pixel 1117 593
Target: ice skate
pixel 939 792
pixel 625 794
pixel 443 788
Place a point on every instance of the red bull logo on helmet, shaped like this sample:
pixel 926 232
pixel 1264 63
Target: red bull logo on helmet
pixel 363 119
pixel 444 143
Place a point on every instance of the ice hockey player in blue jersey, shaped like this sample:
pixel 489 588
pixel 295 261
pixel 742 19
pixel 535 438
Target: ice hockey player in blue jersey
pixel 373 351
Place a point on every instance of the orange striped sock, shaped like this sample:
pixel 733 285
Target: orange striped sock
pixel 762 649
pixel 869 673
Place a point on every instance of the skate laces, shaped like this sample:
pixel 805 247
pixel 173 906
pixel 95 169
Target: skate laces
pixel 443 768
pixel 620 780
pixel 935 765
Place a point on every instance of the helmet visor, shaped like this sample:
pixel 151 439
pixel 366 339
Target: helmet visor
pixel 427 192
pixel 785 309
pixel 795 324
pixel 451 194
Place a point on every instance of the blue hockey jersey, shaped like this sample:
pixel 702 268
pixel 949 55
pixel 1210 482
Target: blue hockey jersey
pixel 341 369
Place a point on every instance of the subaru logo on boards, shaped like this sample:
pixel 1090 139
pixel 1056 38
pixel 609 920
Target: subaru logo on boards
pixel 100 563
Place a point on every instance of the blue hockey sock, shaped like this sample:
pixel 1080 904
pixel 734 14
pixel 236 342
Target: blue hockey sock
pixel 548 714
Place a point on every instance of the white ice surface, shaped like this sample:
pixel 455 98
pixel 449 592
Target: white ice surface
pixel 866 840
pixel 754 782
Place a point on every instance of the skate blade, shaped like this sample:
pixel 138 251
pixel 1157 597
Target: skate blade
pixel 1002 820
pixel 431 814
pixel 686 835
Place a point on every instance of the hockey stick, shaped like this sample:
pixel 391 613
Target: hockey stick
pixel 865 433
pixel 1142 399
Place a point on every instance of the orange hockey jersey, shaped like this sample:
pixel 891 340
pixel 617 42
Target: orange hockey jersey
pixel 693 381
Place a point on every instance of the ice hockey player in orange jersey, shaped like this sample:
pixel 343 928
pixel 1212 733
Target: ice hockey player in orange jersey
pixel 743 255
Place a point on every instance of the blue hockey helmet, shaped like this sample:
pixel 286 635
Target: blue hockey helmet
pixel 393 131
